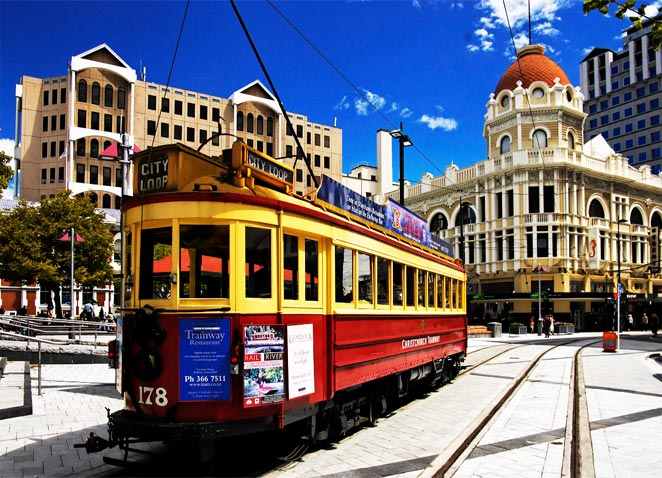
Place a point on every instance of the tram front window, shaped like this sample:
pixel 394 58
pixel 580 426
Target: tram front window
pixel 258 263
pixel 421 288
pixel 344 275
pixel 204 255
pixel 382 281
pixel 312 268
pixel 365 277
pixel 155 263
pixel 290 267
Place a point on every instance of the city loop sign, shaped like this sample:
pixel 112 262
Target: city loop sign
pixel 153 174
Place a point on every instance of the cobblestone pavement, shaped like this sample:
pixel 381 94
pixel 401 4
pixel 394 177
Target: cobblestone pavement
pixel 72 404
pixel 624 394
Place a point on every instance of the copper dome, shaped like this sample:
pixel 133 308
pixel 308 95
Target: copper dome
pixel 535 66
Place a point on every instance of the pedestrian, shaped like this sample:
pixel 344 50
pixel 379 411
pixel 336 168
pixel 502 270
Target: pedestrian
pixel 644 321
pixel 532 325
pixel 540 325
pixel 654 323
pixel 551 324
pixel 546 324
pixel 2 310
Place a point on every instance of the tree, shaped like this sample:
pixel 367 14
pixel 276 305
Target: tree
pixel 6 172
pixel 30 249
pixel 635 10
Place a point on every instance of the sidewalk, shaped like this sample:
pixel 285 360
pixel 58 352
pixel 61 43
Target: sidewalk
pixel 624 394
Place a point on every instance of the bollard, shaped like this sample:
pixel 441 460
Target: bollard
pixel 39 368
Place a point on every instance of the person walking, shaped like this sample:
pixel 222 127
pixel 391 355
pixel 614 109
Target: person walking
pixel 551 324
pixel 630 323
pixel 654 323
pixel 546 325
pixel 644 321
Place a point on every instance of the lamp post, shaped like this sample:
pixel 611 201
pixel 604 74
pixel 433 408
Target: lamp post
pixel 124 161
pixel 403 141
pixel 618 283
pixel 539 270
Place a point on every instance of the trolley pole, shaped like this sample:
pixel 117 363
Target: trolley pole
pixel 402 168
pixel 124 163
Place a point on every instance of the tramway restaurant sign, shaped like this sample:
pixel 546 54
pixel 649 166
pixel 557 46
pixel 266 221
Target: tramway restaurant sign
pixel 391 216
pixel 153 174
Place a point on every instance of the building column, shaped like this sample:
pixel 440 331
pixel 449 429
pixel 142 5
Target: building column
pixel 633 74
pixel 131 117
pixel 281 138
pixel 582 200
pixel 583 78
pixel 541 189
pixel 658 61
pixel 644 57
pixel 69 167
pixel 24 296
pixel 596 76
pixel 608 60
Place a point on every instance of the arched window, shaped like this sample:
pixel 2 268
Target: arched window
pixel 504 146
pixel 105 201
pixel 121 98
pixel 93 198
pixel 240 121
pixel 538 93
pixel 108 95
pixel 249 122
pixel 636 217
pixel 438 222
pixel 505 102
pixel 595 209
pixel 469 217
pixel 118 202
pixel 260 124
pixel 568 94
pixel 571 141
pixel 106 145
pixel 539 139
pixel 94 148
pixel 82 90
pixel 656 220
pixel 270 126
pixel 96 93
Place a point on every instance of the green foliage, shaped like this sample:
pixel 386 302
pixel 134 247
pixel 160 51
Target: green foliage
pixel 628 8
pixel 30 249
pixel 6 171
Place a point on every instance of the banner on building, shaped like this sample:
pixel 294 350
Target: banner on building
pixel 263 365
pixel 594 248
pixel 391 216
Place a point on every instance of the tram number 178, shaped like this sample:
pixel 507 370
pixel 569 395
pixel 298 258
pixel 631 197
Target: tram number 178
pixel 158 395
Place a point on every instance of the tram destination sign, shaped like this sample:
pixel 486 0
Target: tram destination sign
pixel 390 216
pixel 153 174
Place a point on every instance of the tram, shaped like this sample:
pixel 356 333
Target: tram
pixel 252 308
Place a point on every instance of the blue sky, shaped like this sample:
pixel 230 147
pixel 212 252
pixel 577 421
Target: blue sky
pixel 431 64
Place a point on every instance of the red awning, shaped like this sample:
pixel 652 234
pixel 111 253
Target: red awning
pixel 112 150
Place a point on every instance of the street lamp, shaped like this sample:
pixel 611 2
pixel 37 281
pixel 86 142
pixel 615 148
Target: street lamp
pixel 539 270
pixel 618 283
pixel 403 141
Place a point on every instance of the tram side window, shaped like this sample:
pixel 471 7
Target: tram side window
pixel 155 263
pixel 397 283
pixel 312 270
pixel 431 277
pixel 382 281
pixel 258 262
pixel 204 261
pixel 290 267
pixel 447 293
pixel 365 277
pixel 452 293
pixel 440 291
pixel 411 286
pixel 421 288
pixel 344 275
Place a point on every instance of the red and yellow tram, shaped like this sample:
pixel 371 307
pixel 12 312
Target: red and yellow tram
pixel 250 308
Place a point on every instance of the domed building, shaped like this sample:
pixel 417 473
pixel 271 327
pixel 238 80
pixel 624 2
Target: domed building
pixel 544 210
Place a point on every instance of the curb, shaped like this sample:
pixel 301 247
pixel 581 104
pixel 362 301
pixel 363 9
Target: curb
pixel 26 408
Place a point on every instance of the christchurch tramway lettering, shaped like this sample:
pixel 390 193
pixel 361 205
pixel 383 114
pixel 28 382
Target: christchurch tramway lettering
pixel 420 341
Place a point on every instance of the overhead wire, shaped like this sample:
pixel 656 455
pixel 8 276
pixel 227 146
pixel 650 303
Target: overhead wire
pixel 344 76
pixel 172 67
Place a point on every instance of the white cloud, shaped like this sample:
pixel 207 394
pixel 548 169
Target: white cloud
pixel 487 22
pixel 375 100
pixel 546 29
pixel 394 107
pixel 406 112
pixel 486 45
pixel 343 104
pixel 521 39
pixel 7 146
pixel 587 50
pixel 518 10
pixel 361 107
pixel 458 5
pixel 483 33
pixel 472 48
pixel 438 122
pixel 650 11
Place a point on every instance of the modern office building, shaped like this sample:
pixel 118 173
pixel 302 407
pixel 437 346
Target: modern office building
pixel 623 97
pixel 547 208
pixel 68 127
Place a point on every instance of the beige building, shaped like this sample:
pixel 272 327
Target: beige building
pixel 68 127
pixel 545 206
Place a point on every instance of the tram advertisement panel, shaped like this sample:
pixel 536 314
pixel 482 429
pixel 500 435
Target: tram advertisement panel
pixel 300 361
pixel 204 359
pixel 263 365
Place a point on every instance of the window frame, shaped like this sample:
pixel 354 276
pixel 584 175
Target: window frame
pixel 301 302
pixel 255 304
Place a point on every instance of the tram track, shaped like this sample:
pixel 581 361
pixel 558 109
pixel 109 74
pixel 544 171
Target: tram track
pixel 576 451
